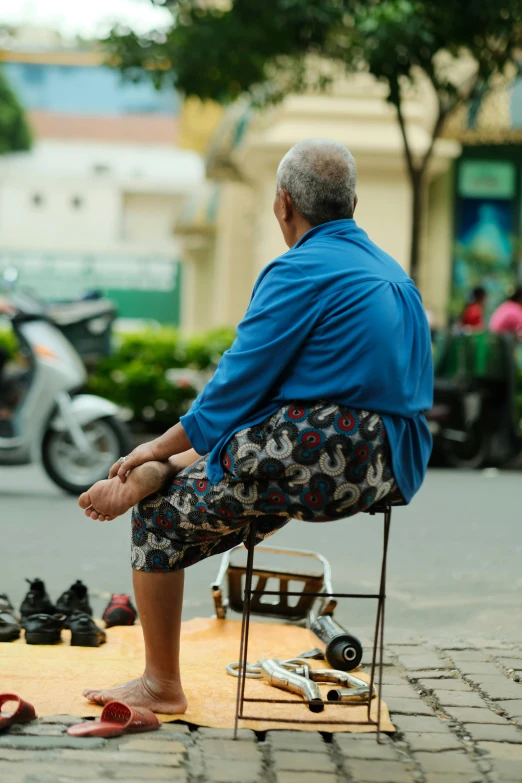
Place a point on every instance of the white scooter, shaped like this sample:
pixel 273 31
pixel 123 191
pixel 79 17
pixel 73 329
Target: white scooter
pixel 77 436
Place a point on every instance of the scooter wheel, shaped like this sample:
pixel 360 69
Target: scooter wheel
pixel 69 469
pixel 472 453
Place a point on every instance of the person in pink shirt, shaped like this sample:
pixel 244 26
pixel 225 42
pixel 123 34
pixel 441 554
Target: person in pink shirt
pixel 508 316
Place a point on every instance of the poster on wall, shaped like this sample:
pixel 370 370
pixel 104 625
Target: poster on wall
pixel 485 240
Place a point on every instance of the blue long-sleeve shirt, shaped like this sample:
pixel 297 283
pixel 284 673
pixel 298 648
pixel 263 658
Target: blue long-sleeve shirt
pixel 336 319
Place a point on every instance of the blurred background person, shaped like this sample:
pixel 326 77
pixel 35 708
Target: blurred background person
pixel 508 316
pixel 473 315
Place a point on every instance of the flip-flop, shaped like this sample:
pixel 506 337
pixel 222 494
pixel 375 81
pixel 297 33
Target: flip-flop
pixel 24 712
pixel 116 719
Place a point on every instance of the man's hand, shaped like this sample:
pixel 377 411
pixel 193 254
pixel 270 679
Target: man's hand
pixel 174 441
pixel 140 455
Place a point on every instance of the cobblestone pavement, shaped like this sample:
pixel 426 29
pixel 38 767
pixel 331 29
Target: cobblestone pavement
pixel 457 708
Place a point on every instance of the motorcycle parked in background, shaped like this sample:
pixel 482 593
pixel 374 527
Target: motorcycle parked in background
pixel 77 436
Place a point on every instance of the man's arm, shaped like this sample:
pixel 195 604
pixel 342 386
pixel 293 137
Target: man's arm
pixel 181 461
pixel 281 316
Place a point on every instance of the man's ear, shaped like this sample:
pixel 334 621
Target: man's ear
pixel 355 201
pixel 287 207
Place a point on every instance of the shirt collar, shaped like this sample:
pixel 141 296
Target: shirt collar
pixel 333 227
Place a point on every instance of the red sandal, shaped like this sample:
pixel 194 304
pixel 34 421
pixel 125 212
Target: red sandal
pixel 117 719
pixel 23 713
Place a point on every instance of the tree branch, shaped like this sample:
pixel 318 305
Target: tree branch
pixel 443 112
pixel 473 81
pixel 395 95
pixel 437 127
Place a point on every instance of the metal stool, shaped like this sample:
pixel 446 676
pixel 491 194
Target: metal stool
pixel 378 643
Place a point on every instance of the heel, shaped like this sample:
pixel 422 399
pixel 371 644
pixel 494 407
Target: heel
pixel 120 616
pixel 85 640
pixel 34 637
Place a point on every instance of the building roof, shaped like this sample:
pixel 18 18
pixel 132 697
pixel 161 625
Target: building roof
pixel 71 93
pixel 227 138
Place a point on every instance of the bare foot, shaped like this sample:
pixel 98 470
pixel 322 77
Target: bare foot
pixel 110 498
pixel 143 692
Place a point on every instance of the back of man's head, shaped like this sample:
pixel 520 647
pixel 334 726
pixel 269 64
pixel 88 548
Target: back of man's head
pixel 320 176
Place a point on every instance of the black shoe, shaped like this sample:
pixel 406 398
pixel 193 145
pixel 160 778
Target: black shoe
pixel 119 611
pixel 5 604
pixel 85 632
pixel 9 625
pixel 36 601
pixel 75 599
pixel 44 628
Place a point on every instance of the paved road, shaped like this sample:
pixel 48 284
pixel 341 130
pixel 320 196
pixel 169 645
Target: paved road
pixel 454 567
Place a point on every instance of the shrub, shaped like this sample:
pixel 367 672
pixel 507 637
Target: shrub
pixel 8 342
pixel 136 376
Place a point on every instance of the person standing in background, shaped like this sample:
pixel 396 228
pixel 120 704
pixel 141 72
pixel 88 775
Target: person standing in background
pixel 508 316
pixel 473 315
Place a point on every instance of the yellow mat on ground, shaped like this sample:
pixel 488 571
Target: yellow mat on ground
pixel 52 678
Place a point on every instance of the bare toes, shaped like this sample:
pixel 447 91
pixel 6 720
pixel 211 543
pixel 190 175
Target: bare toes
pixel 84 501
pixel 98 697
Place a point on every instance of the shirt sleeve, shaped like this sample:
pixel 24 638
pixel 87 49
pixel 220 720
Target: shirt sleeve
pixel 283 312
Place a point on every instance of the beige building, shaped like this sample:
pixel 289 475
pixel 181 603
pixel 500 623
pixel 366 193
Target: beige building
pixel 93 205
pixel 87 215
pixel 106 187
pixel 228 229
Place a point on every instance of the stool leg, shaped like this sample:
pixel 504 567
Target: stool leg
pixel 379 626
pixel 245 626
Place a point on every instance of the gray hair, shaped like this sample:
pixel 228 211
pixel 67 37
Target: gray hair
pixel 320 176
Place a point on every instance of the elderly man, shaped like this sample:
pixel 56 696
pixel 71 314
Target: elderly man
pixel 315 413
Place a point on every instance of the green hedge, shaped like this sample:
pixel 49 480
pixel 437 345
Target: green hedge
pixel 135 375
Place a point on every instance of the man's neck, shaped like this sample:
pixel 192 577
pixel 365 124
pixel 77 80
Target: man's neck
pixel 302 227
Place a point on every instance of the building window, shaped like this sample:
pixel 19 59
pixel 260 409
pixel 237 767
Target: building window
pixel 77 202
pixel 37 200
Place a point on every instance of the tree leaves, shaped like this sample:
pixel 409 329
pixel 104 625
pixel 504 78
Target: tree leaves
pixel 14 132
pixel 225 48
pixel 221 49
